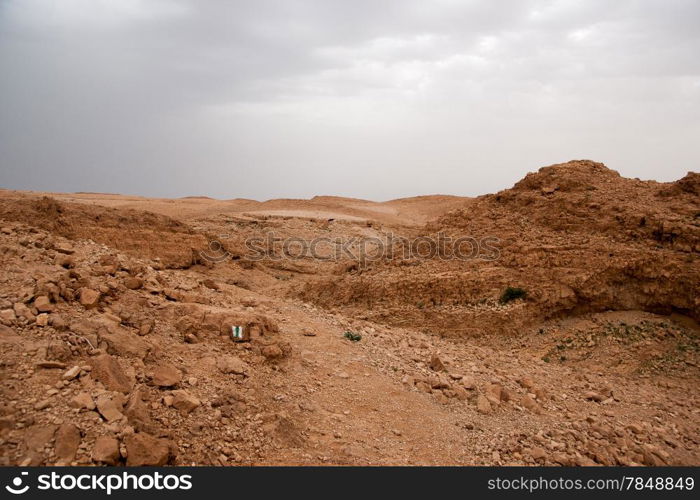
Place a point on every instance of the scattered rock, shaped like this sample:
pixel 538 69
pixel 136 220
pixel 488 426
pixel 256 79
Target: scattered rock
pixel 144 449
pixel 72 373
pixel 82 401
pixel 530 404
pixel 39 437
pixel 108 407
pixel 232 364
pixel 8 316
pixel 22 311
pixel 108 370
pixel 137 412
pixel 43 304
pixel 526 382
pixel 133 283
pixel 166 375
pixel 184 401
pixel 593 396
pixel 51 365
pixel 436 363
pixel 106 450
pixel 67 443
pixel 64 247
pixel 482 404
pixel 89 298
pixel 460 393
pixel 272 352
pixel 42 405
pixel 468 382
pixel 494 393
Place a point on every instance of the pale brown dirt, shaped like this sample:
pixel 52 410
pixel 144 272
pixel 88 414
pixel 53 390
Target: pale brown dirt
pixel 104 297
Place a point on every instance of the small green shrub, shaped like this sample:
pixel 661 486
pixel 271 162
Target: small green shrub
pixel 512 293
pixel 355 337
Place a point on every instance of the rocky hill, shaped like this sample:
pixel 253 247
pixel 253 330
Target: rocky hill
pixel 564 334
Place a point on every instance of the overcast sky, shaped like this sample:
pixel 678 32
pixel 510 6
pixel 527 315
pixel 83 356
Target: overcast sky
pixel 366 98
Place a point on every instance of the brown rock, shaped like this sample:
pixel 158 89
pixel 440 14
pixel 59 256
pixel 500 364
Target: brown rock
pixel 122 342
pixel 137 412
pixel 460 393
pixel 593 396
pixel 6 423
pixel 654 456
pixel 39 437
pixel 82 401
pixel 57 321
pixel 232 364
pixel 166 375
pixel 43 404
pixel 43 304
pixel 482 404
pixel 538 453
pixel 64 247
pixel 89 298
pixel 106 450
pixel 438 381
pixel 108 407
pixel 493 393
pixel 468 382
pixel 272 352
pixel 562 459
pixel 423 387
pixel 133 283
pixel 7 334
pixel 526 382
pixel 144 449
pixel 210 283
pixel 529 403
pixel 436 363
pixel 184 401
pixel 584 461
pixel 8 316
pixel 71 373
pixel 635 428
pixel 507 394
pixel 51 365
pixel 108 370
pixel 146 326
pixel 22 311
pixel 67 442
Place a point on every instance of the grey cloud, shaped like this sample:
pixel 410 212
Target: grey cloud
pixel 375 99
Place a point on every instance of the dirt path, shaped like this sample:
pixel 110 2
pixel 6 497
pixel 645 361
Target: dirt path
pixel 360 415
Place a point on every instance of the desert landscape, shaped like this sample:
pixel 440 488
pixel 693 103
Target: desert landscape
pixel 573 340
